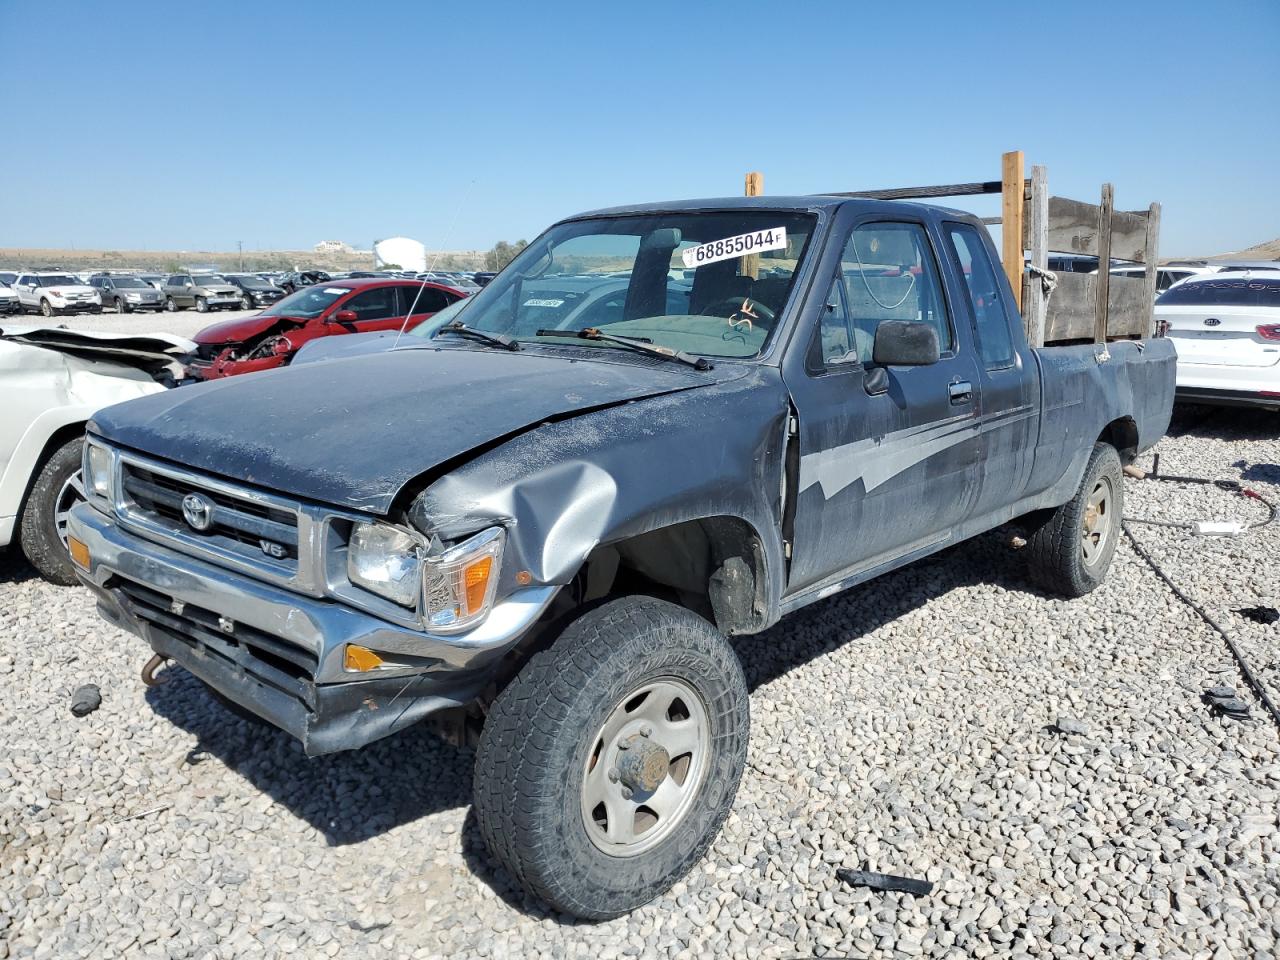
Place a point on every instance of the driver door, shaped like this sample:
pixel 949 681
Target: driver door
pixel 882 475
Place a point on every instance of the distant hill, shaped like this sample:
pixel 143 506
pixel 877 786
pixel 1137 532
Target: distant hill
pixel 1270 250
pixel 18 258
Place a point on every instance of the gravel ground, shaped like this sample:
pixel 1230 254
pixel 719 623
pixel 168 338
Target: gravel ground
pixel 906 726
pixel 184 323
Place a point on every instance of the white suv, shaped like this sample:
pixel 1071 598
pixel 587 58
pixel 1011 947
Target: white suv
pixel 51 293
pixel 8 295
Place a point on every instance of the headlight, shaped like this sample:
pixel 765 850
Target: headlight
pixel 97 471
pixel 385 560
pixel 459 584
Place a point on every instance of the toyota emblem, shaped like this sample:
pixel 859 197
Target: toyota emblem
pixel 1212 322
pixel 197 511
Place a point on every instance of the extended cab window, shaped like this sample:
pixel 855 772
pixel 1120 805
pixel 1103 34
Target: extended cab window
pixel 889 274
pixel 994 341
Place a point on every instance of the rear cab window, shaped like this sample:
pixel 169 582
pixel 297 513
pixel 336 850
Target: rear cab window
pixel 986 299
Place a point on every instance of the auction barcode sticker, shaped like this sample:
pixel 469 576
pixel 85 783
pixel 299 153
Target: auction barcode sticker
pixel 730 247
pixel 537 302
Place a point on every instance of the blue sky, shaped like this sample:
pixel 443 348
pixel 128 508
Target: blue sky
pixel 192 126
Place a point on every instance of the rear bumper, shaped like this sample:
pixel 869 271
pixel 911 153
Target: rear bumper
pixel 1228 385
pixel 279 654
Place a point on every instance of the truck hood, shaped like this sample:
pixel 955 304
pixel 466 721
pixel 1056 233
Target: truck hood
pixel 245 328
pixel 353 432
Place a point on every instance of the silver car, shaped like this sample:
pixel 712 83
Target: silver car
pixel 204 291
pixel 127 294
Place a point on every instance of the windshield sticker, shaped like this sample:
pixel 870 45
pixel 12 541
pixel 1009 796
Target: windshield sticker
pixel 730 247
pixel 336 291
pixel 543 303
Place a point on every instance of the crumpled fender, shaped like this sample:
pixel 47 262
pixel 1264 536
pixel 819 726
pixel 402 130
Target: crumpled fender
pixel 563 488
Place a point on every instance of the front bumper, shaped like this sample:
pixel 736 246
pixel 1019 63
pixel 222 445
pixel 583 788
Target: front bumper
pixel 279 654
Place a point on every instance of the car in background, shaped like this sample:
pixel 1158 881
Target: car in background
pixel 9 302
pixel 295 280
pixel 482 277
pixel 1166 277
pixel 1073 263
pixel 127 294
pixel 155 280
pixel 270 338
pixel 57 379
pixel 50 294
pixel 204 291
pixel 1226 329
pixel 254 291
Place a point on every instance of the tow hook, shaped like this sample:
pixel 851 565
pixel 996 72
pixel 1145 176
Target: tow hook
pixel 149 671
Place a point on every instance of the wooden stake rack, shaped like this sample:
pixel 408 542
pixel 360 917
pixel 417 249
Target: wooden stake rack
pixel 1083 307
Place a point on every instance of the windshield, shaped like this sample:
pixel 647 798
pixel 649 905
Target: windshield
pixel 1234 292
pixel 57 280
pixel 204 279
pixel 709 284
pixel 307 303
pixel 128 283
pixel 437 320
pixel 252 283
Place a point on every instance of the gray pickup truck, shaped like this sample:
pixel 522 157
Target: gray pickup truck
pixel 659 426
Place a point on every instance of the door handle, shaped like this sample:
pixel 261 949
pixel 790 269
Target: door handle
pixel 960 392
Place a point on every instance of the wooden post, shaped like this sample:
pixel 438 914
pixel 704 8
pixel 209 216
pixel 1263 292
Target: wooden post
pixel 1012 191
pixel 1103 289
pixel 749 264
pixel 1152 259
pixel 1035 307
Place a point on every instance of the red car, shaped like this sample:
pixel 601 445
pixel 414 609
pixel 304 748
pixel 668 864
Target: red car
pixel 270 338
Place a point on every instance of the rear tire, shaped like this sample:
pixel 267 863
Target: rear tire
pixel 170 305
pixel 1070 548
pixel 572 813
pixel 55 490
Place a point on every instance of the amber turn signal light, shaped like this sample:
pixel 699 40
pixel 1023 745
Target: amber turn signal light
pixel 79 553
pixel 361 659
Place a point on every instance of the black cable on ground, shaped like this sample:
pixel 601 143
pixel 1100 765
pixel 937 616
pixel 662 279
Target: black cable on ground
pixel 1243 664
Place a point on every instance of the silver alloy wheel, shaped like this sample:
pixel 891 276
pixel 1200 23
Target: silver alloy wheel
pixel 72 492
pixel 645 767
pixel 170 305
pixel 45 308
pixel 202 305
pixel 1096 529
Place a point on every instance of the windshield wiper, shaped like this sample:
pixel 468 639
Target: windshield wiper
pixel 639 344
pixel 480 336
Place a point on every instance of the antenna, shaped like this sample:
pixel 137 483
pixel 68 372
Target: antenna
pixel 448 237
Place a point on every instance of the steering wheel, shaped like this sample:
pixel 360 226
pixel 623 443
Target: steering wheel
pixel 744 310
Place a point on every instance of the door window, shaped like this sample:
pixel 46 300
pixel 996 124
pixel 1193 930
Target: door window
pixel 837 336
pixel 376 304
pixel 995 343
pixel 429 300
pixel 889 273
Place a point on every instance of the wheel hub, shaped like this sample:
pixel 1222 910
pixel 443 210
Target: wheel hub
pixel 643 765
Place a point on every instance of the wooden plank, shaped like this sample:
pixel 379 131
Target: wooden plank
pixel 1073 306
pixel 1153 261
pixel 749 265
pixel 1012 191
pixel 921 193
pixel 1073 228
pixel 1102 306
pixel 1035 308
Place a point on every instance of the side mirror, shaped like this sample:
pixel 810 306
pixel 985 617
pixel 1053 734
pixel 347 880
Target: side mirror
pixel 344 316
pixel 905 343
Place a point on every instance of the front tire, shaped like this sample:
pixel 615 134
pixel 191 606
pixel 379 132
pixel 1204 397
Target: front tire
pixel 202 305
pixel 43 533
pixel 46 309
pixel 122 307
pixel 1070 548
pixel 607 766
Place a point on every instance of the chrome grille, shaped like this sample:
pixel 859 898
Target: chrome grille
pixel 262 534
